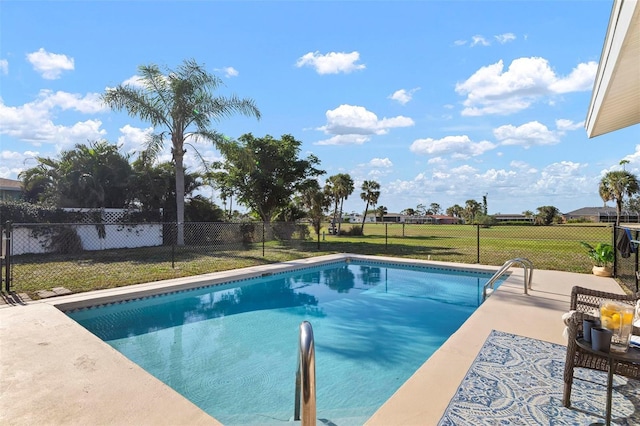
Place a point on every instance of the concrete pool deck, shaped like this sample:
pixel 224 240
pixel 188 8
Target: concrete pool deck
pixel 53 371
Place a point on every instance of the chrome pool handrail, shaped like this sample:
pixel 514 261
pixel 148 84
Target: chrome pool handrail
pixel 528 275
pixel 306 377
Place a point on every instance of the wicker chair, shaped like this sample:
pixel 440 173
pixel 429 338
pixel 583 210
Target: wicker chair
pixel 584 301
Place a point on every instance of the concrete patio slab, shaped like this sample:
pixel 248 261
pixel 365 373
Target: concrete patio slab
pixel 53 371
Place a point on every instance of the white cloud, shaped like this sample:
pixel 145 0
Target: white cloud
pixel 4 66
pixel 563 178
pixel 479 40
pixel 564 124
pixel 381 162
pixel 462 146
pixel 344 140
pixel 403 96
pixel 491 90
pixel 522 166
pixel 505 38
pixel 133 139
pixel 50 65
pixel 87 104
pixel 229 71
pixel 134 81
pixel 332 62
pixel 12 162
pixel 460 42
pixel 33 122
pixel 527 135
pixel 355 124
pixel 580 79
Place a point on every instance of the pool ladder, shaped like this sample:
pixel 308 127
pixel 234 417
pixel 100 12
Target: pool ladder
pixel 528 275
pixel 306 377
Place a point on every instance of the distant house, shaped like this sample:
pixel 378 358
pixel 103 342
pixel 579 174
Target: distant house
pixel 444 220
pixel 515 217
pixel 10 189
pixel 602 215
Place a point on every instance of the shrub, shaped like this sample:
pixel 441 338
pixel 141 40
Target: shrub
pixel 354 231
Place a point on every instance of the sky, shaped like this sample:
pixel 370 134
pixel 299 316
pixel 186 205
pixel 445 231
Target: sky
pixel 438 101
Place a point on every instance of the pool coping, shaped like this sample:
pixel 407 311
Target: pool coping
pixel 46 358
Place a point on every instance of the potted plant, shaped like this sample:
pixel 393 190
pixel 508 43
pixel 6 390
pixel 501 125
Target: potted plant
pixel 602 256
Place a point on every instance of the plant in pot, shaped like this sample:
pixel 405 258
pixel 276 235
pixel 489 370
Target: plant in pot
pixel 602 257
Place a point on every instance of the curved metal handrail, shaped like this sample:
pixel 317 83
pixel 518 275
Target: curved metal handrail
pixel 528 275
pixel 306 377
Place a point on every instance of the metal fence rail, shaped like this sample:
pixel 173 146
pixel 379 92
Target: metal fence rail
pixel 85 256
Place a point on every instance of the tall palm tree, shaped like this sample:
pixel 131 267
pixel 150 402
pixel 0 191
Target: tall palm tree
pixel 182 101
pixel 370 194
pixel 615 185
pixel 340 186
pixel 471 209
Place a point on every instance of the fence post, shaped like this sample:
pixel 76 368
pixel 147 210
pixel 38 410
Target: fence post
pixel 402 229
pixel 263 238
pixel 615 251
pixel 478 242
pixel 386 235
pixel 635 264
pixel 6 256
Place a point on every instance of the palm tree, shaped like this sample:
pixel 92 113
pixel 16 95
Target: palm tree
pixel 528 214
pixel 316 202
pixel 382 210
pixel 456 210
pixel 370 194
pixel 182 101
pixel 340 186
pixel 615 185
pixel 471 209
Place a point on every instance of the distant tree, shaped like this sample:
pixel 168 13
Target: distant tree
pixel 615 185
pixel 485 209
pixel 456 211
pixel 340 186
pixel 633 204
pixel 266 173
pixel 220 180
pixel 182 101
pixel 96 175
pixel 547 215
pixel 484 220
pixel 381 211
pixel 471 209
pixel 421 209
pixel 370 194
pixel 316 202
pixel 408 212
pixel 528 214
pixel 434 208
pixel 154 186
pixel 200 209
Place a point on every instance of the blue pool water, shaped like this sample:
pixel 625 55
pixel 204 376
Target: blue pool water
pixel 232 349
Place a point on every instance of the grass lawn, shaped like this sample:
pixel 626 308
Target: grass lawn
pixel 548 247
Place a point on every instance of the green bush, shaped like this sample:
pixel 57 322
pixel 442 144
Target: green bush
pixel 354 231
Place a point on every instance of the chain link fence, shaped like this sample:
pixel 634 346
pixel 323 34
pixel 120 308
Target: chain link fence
pixel 88 256
pixel 626 268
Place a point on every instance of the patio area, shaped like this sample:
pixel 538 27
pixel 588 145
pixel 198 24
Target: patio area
pixel 53 371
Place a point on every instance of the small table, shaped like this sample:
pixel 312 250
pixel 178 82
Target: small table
pixel 631 356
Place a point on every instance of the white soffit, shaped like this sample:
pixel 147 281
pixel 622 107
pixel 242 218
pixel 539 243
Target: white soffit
pixel 615 101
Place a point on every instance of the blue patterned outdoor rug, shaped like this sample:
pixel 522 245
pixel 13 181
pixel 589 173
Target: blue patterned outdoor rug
pixel 516 380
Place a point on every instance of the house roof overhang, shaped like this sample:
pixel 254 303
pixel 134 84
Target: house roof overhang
pixel 615 100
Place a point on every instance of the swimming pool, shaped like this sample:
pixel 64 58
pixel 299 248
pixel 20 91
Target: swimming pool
pixel 232 349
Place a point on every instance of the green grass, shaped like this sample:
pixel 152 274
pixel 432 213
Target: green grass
pixel 551 247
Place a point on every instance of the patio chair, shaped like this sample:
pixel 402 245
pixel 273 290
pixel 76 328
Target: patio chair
pixel 585 303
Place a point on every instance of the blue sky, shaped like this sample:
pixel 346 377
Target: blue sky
pixel 437 101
